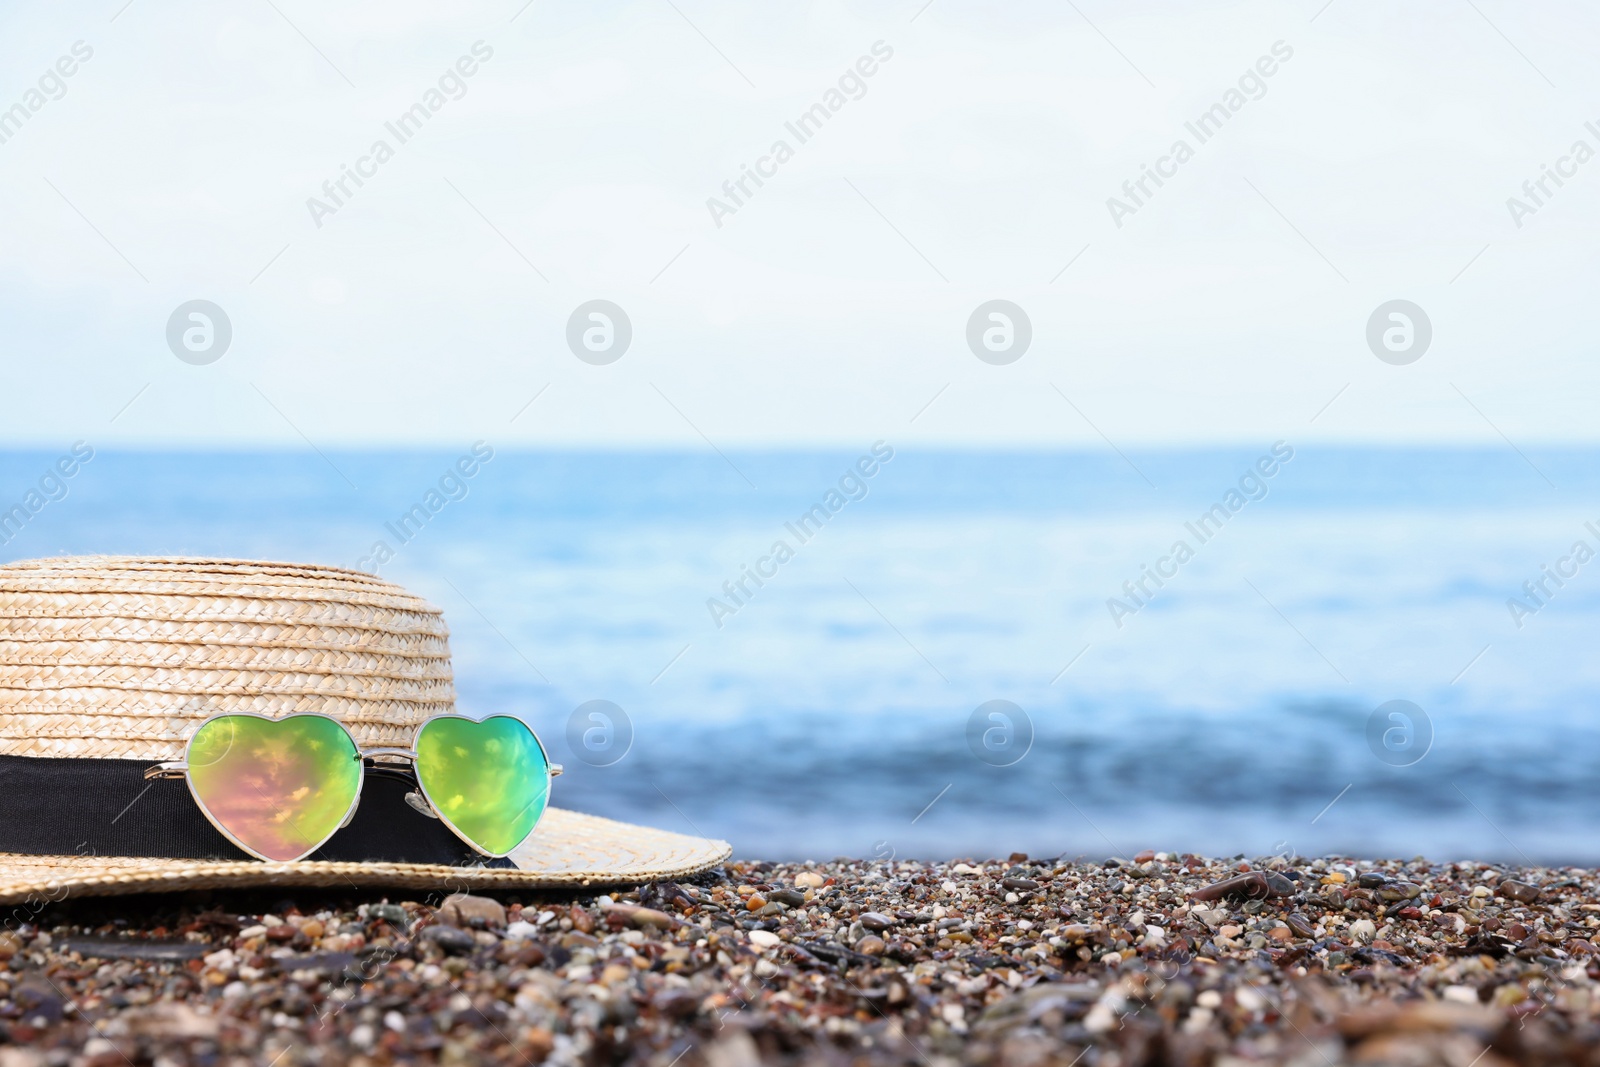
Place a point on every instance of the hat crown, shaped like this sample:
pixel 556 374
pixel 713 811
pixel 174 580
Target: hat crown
pixel 120 657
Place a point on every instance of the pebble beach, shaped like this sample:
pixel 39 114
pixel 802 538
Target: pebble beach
pixel 1158 958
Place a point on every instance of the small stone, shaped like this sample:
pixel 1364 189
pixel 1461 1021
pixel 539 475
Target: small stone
pixel 871 945
pixel 1508 995
pixel 1371 879
pixel 466 911
pixel 393 914
pixel 677 1003
pixel 581 920
pixel 755 902
pixel 171 1021
pixel 125 948
pixel 876 920
pixel 1300 925
pixel 1521 892
pixel 1021 885
pixel 1145 857
pixel 313 929
pixel 1393 891
pixel 643 917
pixel 791 898
pixel 764 938
pixel 10 945
pixel 810 880
pixel 453 940
pixel 1363 930
pixel 1253 885
pixel 324 962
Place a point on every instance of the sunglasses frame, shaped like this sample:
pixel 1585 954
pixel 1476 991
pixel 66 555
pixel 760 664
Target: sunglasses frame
pixel 418 799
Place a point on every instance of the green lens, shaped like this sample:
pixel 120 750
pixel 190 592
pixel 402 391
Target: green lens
pixel 278 788
pixel 488 780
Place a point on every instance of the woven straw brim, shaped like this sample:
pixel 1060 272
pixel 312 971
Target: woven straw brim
pixel 568 850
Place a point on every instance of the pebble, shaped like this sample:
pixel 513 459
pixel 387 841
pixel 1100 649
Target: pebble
pixel 1392 891
pixel 1519 891
pixel 890 963
pixel 450 938
pixel 124 948
pixel 393 914
pixel 1255 885
pixel 642 917
pixel 464 910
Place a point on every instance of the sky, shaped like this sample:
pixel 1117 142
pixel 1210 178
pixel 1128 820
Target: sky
pixel 983 158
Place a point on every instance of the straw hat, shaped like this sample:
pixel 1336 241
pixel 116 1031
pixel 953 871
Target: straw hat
pixel 107 664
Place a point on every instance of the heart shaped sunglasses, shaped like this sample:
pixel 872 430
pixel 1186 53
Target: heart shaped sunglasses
pixel 280 788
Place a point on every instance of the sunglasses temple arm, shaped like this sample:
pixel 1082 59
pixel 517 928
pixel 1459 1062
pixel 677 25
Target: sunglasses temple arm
pixel 173 769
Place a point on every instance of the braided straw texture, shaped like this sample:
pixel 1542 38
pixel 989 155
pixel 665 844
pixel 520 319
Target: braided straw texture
pixel 119 657
pixel 567 850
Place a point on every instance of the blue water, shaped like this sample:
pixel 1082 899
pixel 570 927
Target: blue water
pixel 829 713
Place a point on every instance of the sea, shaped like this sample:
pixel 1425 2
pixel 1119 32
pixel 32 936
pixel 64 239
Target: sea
pixel 889 651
